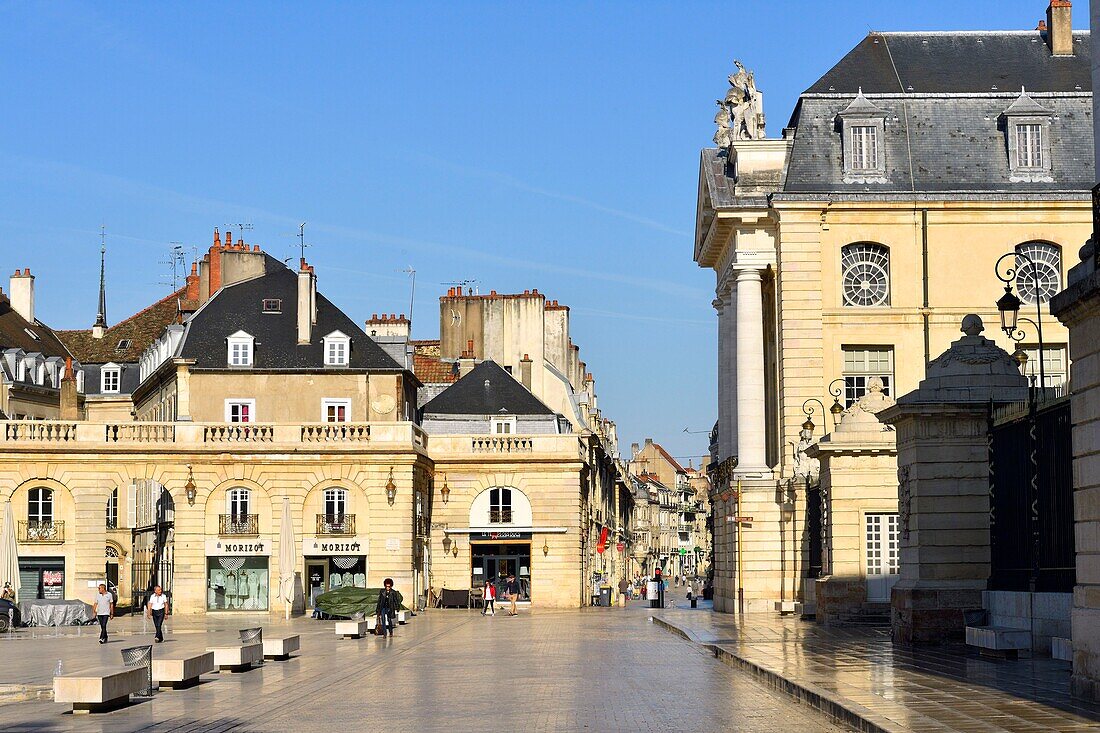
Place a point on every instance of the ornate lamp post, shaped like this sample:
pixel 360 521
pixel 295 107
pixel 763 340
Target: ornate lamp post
pixel 1009 304
pixel 808 426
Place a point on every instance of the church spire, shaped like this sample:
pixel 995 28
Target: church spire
pixel 101 315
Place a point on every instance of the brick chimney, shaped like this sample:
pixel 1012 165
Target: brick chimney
pixel 466 361
pixel 307 302
pixel 21 294
pixel 525 371
pixel 1060 27
pixel 69 404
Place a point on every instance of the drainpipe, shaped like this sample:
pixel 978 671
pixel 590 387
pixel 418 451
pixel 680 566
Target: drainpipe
pixel 926 312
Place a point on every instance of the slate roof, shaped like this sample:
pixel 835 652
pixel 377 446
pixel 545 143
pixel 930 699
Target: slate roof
pixel 13 334
pixel 958 62
pixel 486 390
pixel 142 329
pixel 239 307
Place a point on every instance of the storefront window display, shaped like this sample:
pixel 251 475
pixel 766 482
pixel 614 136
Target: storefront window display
pixel 237 583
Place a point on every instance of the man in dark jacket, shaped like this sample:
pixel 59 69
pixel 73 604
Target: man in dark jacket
pixel 511 592
pixel 389 601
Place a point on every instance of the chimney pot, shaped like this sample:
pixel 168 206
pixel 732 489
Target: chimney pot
pixel 1060 27
pixel 228 239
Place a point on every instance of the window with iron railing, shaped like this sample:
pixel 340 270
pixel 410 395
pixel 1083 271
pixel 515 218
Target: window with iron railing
pixel 246 525
pixel 335 524
pixel 500 506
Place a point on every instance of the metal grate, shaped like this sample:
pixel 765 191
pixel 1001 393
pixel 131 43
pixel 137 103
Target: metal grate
pixel 141 656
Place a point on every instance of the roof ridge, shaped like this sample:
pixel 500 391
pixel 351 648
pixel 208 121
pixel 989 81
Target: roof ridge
pixel 141 312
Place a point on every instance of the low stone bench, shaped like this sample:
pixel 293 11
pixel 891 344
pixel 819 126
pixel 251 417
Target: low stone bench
pixel 1000 640
pixel 100 689
pixel 280 647
pixel 237 657
pixel 351 629
pixel 180 670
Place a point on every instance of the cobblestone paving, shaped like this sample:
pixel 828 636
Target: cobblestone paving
pixel 598 669
pixel 942 689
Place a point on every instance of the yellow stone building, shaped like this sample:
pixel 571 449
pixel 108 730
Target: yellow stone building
pixel 851 246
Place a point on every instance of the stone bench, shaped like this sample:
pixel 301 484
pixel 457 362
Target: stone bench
pixel 100 689
pixel 181 669
pixel 280 647
pixel 237 657
pixel 351 629
pixel 1000 640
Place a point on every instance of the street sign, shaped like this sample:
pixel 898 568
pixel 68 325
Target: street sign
pixel 742 520
pixel 620 546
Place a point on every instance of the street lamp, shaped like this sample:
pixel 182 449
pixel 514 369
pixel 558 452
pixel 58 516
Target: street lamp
pixel 1009 304
pixel 808 426
pixel 1020 355
pixel 189 488
pixel 837 391
pixel 391 489
pixel 445 492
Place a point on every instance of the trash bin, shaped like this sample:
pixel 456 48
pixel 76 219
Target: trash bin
pixel 605 596
pixel 652 594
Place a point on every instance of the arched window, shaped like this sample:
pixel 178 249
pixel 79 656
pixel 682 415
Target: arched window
pixel 865 274
pixel 112 510
pixel 336 503
pixel 500 506
pixel 40 506
pixel 1048 265
pixel 237 503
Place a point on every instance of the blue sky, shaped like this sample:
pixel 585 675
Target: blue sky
pixel 550 146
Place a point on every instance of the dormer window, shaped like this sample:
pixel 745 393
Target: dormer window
pixel 273 305
pixel 240 349
pixel 123 345
pixel 337 346
pixel 863 132
pixel 1027 136
pixel 110 379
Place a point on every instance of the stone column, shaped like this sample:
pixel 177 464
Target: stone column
pixel 943 474
pixel 727 372
pixel 1078 307
pixel 751 431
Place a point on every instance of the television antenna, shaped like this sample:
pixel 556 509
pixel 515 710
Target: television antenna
pixel 302 239
pixel 412 291
pixel 241 228
pixel 177 261
pixel 465 284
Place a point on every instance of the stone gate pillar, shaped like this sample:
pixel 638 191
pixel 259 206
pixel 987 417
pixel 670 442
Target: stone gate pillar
pixel 1078 307
pixel 943 492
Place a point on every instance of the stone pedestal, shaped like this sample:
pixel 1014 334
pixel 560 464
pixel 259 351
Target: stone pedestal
pixel 858 476
pixel 1078 307
pixel 943 490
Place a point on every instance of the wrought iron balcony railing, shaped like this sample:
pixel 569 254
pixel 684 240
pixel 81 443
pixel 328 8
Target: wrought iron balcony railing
pixel 500 516
pixel 43 531
pixel 238 525
pixel 336 524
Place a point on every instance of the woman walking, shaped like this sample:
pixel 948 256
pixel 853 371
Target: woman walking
pixel 489 599
pixel 386 609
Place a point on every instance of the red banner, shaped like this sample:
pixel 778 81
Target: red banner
pixel 603 541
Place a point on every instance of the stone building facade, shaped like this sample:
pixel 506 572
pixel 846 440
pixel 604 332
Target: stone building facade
pixel 850 247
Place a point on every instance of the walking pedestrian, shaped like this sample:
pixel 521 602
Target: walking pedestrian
pixel 386 608
pixel 104 605
pixel 489 599
pixel 511 592
pixel 157 607
pixel 624 591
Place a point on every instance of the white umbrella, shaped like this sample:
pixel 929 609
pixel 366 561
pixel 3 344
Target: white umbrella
pixel 9 552
pixel 286 557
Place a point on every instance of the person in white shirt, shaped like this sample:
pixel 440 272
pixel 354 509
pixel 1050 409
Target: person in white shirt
pixel 157 607
pixel 104 605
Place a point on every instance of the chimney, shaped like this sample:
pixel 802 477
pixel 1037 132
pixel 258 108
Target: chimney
pixel 21 294
pixel 1060 27
pixel 649 441
pixel 70 409
pixel 634 449
pixel 192 293
pixel 525 371
pixel 466 360
pixel 306 303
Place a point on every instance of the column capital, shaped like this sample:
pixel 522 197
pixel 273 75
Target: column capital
pixel 749 273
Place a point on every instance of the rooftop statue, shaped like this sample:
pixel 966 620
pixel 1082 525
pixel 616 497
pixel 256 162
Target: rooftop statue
pixel 741 116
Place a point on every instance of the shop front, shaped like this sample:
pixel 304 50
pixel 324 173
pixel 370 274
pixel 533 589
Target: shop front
pixel 334 563
pixel 496 555
pixel 238 575
pixel 41 578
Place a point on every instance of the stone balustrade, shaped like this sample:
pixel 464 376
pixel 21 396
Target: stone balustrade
pixel 45 434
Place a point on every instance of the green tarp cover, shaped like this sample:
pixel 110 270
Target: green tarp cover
pixel 349 600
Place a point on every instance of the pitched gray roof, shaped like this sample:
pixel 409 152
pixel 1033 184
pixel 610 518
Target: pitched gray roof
pixel 486 390
pixel 954 61
pixel 239 307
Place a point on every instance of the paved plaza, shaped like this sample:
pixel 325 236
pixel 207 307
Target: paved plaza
pixel 596 669
pixel 863 679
